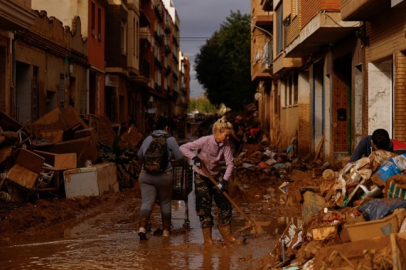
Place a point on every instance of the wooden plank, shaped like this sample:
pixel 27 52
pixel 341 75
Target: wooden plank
pixel 319 148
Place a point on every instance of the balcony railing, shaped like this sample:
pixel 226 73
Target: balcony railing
pixel 159 39
pixel 145 68
pixel 158 14
pixel 267 55
pixel 158 88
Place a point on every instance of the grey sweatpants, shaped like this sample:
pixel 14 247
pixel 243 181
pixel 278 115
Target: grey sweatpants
pixel 156 187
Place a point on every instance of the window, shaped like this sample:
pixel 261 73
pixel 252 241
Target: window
pixel 93 19
pixel 279 29
pixel 99 24
pixel 134 36
pixel 295 89
pixel 123 38
pixel 290 90
pixel 137 34
pixel 286 92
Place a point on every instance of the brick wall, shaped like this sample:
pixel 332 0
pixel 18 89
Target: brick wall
pixel 330 5
pixel 386 34
pixel 309 9
pixel 50 29
pixel 399 126
pixel 292 31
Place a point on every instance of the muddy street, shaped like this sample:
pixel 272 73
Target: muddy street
pixel 103 235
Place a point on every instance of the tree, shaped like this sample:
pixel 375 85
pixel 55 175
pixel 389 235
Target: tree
pixel 223 65
pixel 202 104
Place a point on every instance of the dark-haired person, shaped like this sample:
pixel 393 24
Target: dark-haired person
pixel 157 186
pixel 378 140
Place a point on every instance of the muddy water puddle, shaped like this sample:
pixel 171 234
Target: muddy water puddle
pixel 94 245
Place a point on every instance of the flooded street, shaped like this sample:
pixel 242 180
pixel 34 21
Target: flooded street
pixel 109 240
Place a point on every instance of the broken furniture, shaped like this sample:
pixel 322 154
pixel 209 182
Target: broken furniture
pixel 91 181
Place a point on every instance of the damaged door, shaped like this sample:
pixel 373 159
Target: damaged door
pixel 23 92
pixel 380 94
pixel 341 114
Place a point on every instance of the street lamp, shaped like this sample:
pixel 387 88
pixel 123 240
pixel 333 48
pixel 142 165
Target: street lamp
pixel 260 28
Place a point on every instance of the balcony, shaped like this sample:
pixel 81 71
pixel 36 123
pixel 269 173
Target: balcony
pixel 267 5
pixel 282 63
pixel 323 29
pixel 158 63
pixel 145 34
pixel 362 10
pixel 133 4
pixel 144 72
pixel 262 66
pixel 263 20
pixel 158 12
pixel 158 89
pixel 159 39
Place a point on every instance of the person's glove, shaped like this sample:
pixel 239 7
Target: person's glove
pixel 197 161
pixel 221 185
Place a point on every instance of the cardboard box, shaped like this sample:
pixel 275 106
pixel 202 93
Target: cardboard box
pixel 385 226
pixel 59 161
pixel 91 181
pixel 26 168
pixel 388 248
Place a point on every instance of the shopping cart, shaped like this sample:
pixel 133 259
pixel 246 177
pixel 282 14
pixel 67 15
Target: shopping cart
pixel 182 185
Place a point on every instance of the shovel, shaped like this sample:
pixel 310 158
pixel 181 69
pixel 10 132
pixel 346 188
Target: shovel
pixel 256 227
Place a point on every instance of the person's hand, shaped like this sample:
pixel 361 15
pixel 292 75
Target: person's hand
pixel 197 162
pixel 221 185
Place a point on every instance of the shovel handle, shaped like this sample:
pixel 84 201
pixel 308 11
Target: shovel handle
pixel 206 172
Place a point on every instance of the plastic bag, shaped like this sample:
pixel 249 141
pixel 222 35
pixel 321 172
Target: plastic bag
pixel 380 208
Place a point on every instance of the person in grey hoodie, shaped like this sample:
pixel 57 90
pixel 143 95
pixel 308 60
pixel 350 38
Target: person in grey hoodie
pixel 157 186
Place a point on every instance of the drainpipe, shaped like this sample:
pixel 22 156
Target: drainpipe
pixel 350 121
pixel 13 76
pixel 98 96
pixel 87 91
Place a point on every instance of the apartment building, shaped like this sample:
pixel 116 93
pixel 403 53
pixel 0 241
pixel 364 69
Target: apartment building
pixel 50 68
pixel 313 95
pixel 14 15
pixel 118 59
pixel 183 101
pixel 92 16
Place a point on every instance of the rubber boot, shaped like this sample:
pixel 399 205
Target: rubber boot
pixel 207 236
pixel 142 232
pixel 225 231
pixel 166 227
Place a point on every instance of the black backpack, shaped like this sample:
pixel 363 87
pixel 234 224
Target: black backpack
pixel 156 157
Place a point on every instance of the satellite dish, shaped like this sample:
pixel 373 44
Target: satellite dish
pixel 258 96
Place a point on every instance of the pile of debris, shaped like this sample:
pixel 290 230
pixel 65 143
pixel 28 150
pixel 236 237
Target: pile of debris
pixel 352 214
pixel 354 218
pixel 44 157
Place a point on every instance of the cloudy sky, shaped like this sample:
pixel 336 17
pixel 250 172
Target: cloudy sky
pixel 199 19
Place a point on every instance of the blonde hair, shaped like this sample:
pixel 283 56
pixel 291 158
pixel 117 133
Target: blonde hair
pixel 221 125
